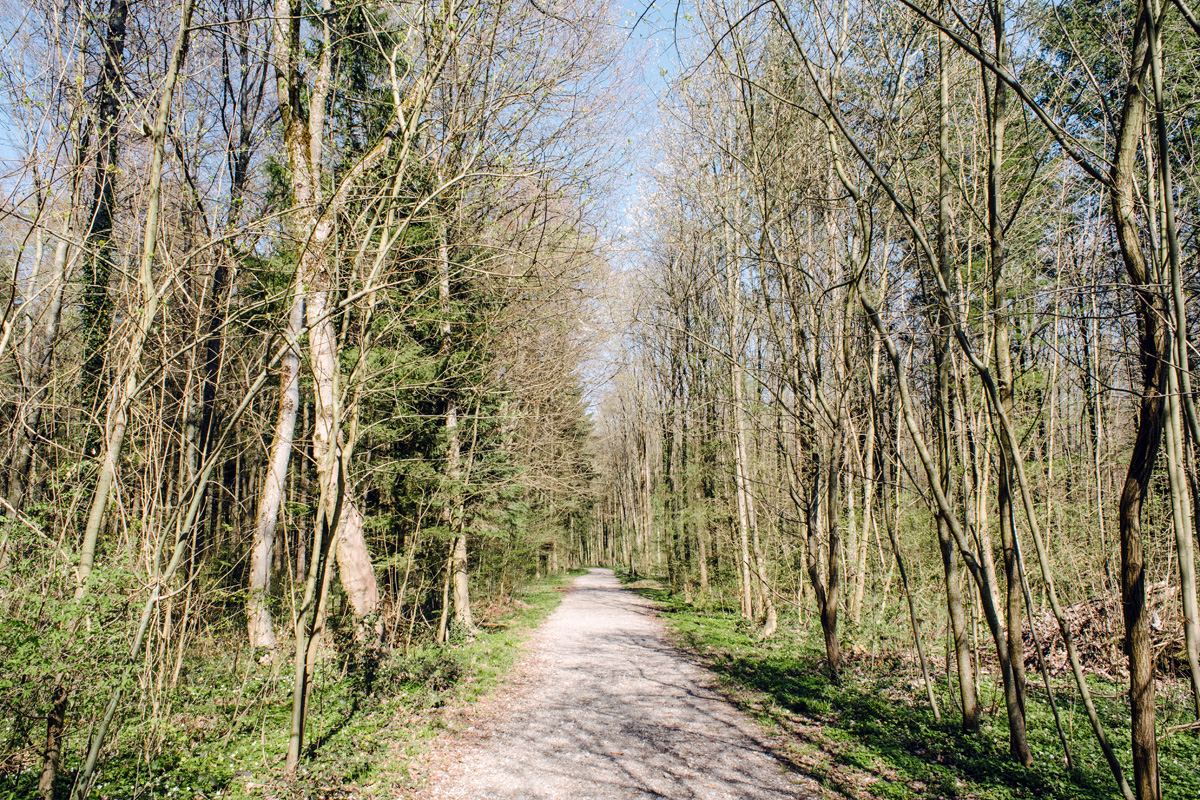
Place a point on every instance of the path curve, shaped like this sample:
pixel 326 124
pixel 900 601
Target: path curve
pixel 605 708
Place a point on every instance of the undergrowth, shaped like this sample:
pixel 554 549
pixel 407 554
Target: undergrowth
pixel 875 736
pixel 225 734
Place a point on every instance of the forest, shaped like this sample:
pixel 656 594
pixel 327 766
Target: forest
pixel 335 334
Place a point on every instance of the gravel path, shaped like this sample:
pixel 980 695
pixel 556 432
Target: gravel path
pixel 604 708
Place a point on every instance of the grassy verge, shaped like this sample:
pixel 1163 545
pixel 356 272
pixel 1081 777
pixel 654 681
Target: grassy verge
pixel 371 717
pixel 875 736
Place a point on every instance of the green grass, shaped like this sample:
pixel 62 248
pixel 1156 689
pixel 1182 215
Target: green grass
pixel 875 736
pixel 227 735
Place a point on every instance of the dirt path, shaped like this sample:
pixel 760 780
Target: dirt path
pixel 605 708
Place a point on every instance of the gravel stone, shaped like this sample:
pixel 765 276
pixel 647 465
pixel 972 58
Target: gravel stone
pixel 603 707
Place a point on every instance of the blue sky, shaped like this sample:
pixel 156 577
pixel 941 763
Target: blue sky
pixel 651 42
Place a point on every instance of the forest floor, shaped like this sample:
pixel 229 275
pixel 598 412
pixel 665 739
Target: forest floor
pixel 373 715
pixel 604 707
pixel 874 736
pixel 592 690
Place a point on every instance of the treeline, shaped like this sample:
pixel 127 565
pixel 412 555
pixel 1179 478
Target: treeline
pixel 292 307
pixel 915 346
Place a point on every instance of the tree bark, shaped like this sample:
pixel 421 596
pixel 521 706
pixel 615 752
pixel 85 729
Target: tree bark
pixel 1181 405
pixel 1153 343
pixel 943 386
pixel 258 617
pixel 52 748
pixel 312 223
pixel 96 306
pixel 453 514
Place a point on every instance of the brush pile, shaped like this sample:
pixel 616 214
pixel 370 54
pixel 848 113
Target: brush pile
pixel 1098 629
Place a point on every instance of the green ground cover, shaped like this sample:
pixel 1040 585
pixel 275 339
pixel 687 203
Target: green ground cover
pixel 875 735
pixel 372 716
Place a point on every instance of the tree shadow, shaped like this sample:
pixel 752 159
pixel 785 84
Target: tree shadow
pixel 876 730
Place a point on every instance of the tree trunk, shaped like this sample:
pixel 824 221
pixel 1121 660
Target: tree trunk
pixel 312 223
pixel 1154 355
pixel 462 597
pixel 96 305
pixel 453 514
pixel 122 394
pixel 258 617
pixel 52 749
pixel 353 557
pixel 998 118
pixel 951 567
pixel 829 600
pixel 1181 404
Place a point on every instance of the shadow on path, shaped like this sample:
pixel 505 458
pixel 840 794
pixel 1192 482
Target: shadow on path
pixel 607 708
